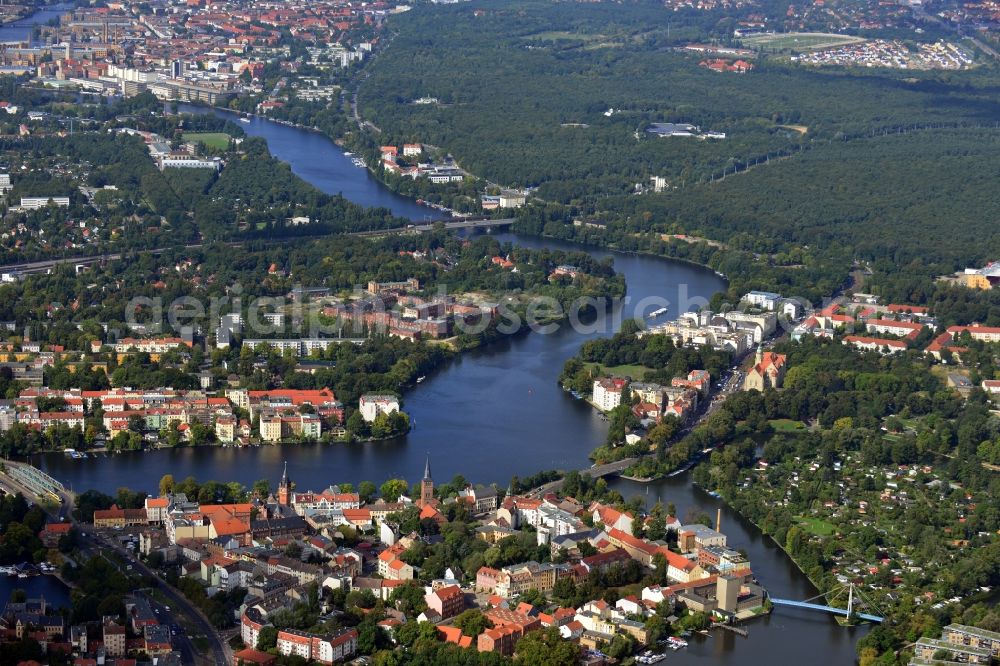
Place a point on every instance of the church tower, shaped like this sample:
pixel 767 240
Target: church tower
pixel 284 488
pixel 427 485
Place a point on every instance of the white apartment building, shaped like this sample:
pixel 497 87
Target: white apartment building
pixel 607 393
pixel 371 405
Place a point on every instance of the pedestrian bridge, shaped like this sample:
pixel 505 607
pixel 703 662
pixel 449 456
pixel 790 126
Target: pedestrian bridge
pixel 826 609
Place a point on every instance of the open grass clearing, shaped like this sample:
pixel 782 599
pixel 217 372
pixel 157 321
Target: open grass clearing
pixel 214 140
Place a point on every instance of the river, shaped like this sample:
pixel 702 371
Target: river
pixel 491 414
pixel 318 160
pixel 21 31
pixel 49 587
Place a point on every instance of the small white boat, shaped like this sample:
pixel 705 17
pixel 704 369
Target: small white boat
pixel 421 378
pixel 245 120
pixel 656 313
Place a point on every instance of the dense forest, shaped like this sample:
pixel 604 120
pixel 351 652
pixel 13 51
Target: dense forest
pixel 523 88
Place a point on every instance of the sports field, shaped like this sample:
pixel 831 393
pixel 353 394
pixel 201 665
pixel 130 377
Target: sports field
pixel 217 140
pixel 799 41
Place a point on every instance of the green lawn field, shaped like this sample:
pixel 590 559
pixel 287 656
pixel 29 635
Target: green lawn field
pixel 787 425
pixel 215 140
pixel 816 526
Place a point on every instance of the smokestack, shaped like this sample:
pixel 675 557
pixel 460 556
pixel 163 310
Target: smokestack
pixel 718 520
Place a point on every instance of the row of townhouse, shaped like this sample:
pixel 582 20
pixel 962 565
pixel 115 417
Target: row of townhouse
pixel 283 413
pixel 517 579
pixel 325 502
pixel 148 345
pixel 190 520
pixel 680 399
pixel 550 517
pixel 735 332
pixel 156 410
pixel 320 402
pixel 322 648
pixel 278 427
pixel 947 340
pixel 391 565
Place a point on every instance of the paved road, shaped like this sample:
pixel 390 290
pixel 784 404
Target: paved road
pixel 221 654
pixel 93 542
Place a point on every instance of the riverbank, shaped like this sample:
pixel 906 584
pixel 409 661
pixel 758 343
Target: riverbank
pixel 722 498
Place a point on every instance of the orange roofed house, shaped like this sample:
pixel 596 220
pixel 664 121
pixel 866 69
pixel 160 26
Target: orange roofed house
pixel 116 517
pixel 447 601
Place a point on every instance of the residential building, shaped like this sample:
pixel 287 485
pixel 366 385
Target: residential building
pixel 446 601
pixel 501 640
pixel 116 517
pixel 482 499
pixel 371 405
pixel 519 578
pixel 34 203
pixel 903 329
pixel 765 300
pixel 251 622
pixel 610 517
pixel 881 345
pixel 512 199
pixel 608 392
pixel 114 639
pixel 961 634
pixel 928 649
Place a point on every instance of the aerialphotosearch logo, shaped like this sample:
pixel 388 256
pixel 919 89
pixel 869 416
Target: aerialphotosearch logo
pixel 438 314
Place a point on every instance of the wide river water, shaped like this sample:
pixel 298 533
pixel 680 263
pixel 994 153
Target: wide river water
pixel 20 31
pixel 491 414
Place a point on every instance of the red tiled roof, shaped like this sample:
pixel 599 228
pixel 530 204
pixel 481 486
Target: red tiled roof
pixel 881 342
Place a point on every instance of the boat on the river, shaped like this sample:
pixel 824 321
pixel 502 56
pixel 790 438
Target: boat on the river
pixel 421 378
pixel 656 313
pixel 650 657
pixel 245 120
